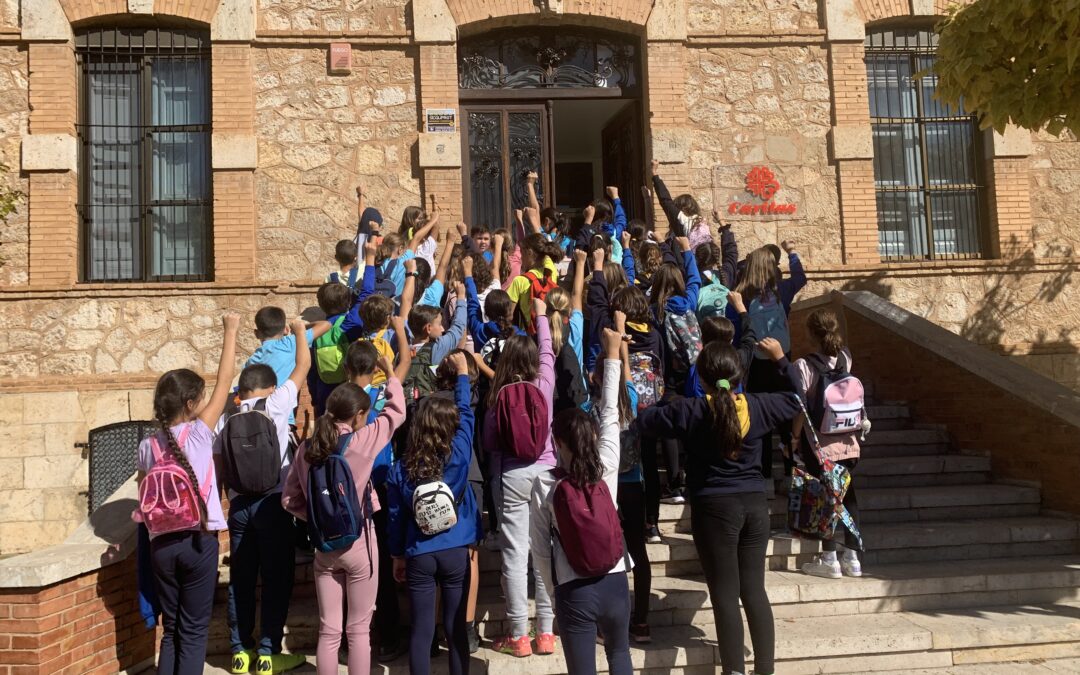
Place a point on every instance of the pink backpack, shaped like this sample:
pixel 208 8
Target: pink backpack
pixel 521 418
pixel 168 502
pixel 588 526
pixel 838 405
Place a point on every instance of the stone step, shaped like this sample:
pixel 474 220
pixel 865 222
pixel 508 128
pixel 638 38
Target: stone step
pixel 922 470
pixel 886 588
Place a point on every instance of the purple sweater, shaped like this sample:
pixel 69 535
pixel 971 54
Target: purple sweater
pixel 545 379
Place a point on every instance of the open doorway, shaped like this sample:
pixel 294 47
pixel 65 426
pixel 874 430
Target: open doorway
pixel 596 143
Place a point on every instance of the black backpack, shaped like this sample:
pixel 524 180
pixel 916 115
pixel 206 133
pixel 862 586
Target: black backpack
pixel 570 391
pixel 250 450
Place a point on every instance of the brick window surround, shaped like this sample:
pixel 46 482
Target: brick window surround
pixel 1006 170
pixel 50 151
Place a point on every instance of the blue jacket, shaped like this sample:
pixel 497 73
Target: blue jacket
pixel 404 536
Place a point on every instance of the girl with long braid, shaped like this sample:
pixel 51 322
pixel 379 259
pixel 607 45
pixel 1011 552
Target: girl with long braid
pixel 185 563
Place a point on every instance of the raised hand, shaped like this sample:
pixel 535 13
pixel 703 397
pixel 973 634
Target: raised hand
pixel 460 363
pixel 612 192
pixel 589 212
pixel 467 265
pixel 771 346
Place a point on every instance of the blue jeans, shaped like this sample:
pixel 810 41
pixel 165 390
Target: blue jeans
pixel 449 569
pixel 585 606
pixel 260 544
pixel 185 573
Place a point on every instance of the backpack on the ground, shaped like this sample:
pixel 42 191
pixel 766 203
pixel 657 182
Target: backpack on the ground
pixel 769 320
pixel 384 281
pixel 420 380
pixel 330 349
pixel 435 507
pixel 645 373
pixel 250 450
pixel 378 340
pixel 682 336
pixel 712 299
pixel 337 515
pixel 522 420
pixel 168 501
pixel 587 526
pixel 837 405
pixel 816 504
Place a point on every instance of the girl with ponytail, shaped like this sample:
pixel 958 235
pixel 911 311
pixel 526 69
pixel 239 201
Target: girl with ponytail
pixel 185 562
pixel 349 572
pixel 539 260
pixel 824 327
pixel 567 329
pixel 722 433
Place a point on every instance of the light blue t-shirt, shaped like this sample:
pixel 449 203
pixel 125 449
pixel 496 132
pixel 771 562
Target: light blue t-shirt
pixel 433 294
pixel 397 275
pixel 279 354
pixel 574 336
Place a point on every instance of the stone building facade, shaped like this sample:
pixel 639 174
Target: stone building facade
pixel 723 85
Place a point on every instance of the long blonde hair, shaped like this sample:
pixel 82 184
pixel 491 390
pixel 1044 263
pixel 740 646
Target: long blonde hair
pixel 558 311
pixel 760 279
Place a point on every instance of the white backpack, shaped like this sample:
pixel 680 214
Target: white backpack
pixel 434 507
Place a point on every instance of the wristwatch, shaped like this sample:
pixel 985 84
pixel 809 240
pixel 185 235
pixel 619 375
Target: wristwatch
pixel 412 274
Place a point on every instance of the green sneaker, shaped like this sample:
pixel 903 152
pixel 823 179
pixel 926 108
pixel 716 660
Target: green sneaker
pixel 279 663
pixel 241 662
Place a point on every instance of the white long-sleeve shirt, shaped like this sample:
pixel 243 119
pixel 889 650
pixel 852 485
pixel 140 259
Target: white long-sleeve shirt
pixel 547 553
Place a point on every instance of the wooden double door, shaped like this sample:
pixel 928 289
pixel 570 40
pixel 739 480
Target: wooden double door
pixel 502 143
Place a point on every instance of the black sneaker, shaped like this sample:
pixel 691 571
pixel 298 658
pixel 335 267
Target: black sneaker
pixel 474 638
pixel 652 535
pixel 639 633
pixel 391 650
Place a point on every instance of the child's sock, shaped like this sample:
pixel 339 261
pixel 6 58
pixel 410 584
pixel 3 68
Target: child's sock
pixel 828 556
pixel 850 554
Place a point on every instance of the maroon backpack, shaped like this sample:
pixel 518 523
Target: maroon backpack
pixel 521 421
pixel 588 526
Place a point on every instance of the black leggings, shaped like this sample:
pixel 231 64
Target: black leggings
pixel 632 518
pixel 731 533
pixel 387 613
pixel 651 472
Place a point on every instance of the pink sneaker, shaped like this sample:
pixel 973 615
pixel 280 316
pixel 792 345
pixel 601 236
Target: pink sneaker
pixel 545 643
pixel 519 647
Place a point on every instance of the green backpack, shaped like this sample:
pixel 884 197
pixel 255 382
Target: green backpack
pixel 420 380
pixel 330 348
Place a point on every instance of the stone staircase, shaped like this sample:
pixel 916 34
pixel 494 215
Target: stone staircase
pixel 959 570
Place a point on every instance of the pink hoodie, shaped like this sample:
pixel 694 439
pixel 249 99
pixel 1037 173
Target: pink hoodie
pixel 365 446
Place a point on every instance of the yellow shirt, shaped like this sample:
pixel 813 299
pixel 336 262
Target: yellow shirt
pixel 519 287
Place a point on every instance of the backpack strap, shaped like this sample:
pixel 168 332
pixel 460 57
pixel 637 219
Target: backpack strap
pixel 334 278
pixel 343 442
pixel 352 275
pixel 260 405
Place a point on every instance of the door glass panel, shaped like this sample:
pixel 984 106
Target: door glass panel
pixel 526 154
pixel 485 169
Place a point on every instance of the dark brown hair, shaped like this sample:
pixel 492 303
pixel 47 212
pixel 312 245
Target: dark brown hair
pixel 446 374
pixel 270 322
pixel 761 277
pixel 667 283
pixel 539 248
pixel 431 431
pixel 419 317
pixel 375 312
pixel 334 299
pixel 344 403
pixel 578 432
pixel 500 308
pixel 717 329
pixel 519 361
pixel 825 328
pixel 631 302
pixel 345 252
pixel 361 358
pixel 614 277
pixel 721 362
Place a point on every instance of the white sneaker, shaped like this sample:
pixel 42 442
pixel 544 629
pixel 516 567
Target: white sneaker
pixel 851 567
pixel 820 567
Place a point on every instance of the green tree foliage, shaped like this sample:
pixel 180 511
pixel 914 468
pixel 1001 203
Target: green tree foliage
pixel 1013 61
pixel 9 196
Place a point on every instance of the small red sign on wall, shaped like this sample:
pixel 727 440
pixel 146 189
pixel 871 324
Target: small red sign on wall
pixel 340 58
pixel 758 198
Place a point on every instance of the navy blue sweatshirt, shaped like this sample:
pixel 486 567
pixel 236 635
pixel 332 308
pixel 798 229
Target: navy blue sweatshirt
pixel 709 471
pixel 405 536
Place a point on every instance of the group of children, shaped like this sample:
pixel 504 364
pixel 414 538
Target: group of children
pixel 535 374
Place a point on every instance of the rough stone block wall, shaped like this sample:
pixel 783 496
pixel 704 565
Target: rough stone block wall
pixel 751 17
pixel 14 116
pixel 319 136
pixel 89 625
pixel 766 105
pixel 332 17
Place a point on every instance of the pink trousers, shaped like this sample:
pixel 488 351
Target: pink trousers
pixel 351 574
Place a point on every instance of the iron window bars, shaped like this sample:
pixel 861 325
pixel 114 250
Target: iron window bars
pixel 927 158
pixel 144 139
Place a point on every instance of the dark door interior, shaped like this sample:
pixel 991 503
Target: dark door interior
pixel 622 139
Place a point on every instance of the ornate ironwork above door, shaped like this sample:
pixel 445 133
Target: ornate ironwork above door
pixel 548 58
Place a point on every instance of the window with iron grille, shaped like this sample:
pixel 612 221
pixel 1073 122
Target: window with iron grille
pixel 144 139
pixel 927 154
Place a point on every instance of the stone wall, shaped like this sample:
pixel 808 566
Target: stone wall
pixel 767 105
pixel 332 17
pixel 319 136
pixel 1055 195
pixel 14 113
pixel 751 17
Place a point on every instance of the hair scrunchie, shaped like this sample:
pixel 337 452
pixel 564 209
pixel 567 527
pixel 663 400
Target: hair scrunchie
pixel 723 384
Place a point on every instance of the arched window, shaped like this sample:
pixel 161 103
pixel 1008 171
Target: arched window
pixel 144 132
pixel 927 155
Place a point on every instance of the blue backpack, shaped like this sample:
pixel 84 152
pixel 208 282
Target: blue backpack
pixel 384 282
pixel 769 319
pixel 336 516
pixel 335 278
